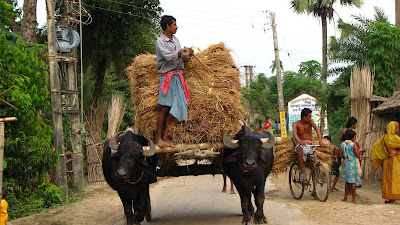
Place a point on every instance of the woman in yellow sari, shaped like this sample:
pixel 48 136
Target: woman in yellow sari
pixel 386 153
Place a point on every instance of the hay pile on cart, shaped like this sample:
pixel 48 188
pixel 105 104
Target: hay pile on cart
pixel 214 104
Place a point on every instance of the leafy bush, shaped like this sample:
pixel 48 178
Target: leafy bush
pixel 35 198
pixel 28 155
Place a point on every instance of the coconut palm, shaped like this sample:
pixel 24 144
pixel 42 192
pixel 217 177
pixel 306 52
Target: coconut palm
pixel 324 10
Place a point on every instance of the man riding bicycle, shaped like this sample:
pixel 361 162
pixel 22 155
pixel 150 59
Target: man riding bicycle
pixel 302 133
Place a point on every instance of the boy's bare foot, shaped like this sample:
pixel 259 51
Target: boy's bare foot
pixel 169 143
pixel 162 144
pixel 334 189
pixel 344 200
pixel 232 191
pixel 224 189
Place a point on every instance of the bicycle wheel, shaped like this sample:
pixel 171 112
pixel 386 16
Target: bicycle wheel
pixel 296 186
pixel 322 185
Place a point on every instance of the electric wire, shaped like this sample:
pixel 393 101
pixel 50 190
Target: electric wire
pixel 119 12
pixel 127 4
pixel 79 11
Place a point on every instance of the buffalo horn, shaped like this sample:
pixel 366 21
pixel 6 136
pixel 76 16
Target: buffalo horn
pixel 228 141
pixel 151 151
pixel 271 140
pixel 113 143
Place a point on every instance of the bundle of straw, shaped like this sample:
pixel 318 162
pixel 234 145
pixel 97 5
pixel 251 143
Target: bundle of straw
pixel 214 105
pixel 285 155
pixel 116 112
pixel 361 86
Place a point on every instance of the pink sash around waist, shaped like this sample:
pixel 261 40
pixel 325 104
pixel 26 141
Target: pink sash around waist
pixel 167 82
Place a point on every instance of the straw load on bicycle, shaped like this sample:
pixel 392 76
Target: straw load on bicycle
pixel 285 155
pixel 214 105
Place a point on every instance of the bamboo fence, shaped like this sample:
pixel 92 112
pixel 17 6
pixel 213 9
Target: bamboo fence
pixel 361 86
pixel 94 144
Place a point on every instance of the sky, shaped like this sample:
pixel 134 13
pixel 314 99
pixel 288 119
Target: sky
pixel 245 28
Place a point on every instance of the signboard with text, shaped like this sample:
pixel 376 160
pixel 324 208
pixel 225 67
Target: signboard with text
pixel 283 124
pixel 298 104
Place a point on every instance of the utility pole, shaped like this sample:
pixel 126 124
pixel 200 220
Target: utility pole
pixel 251 73
pixel 278 78
pixel 249 78
pixel 76 140
pixel 61 170
pixel 246 76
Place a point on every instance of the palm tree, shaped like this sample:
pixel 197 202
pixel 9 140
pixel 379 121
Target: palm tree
pixel 311 69
pixel 273 66
pixel 324 10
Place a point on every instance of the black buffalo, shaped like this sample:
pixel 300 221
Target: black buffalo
pixel 129 171
pixel 248 163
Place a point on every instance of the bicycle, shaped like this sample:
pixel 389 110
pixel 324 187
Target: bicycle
pixel 320 181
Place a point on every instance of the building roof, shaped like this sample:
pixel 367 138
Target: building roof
pixel 376 98
pixel 391 105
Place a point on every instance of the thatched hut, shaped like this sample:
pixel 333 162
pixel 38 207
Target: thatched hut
pixel 382 114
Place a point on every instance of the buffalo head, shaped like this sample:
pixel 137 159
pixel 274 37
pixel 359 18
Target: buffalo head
pixel 249 148
pixel 130 156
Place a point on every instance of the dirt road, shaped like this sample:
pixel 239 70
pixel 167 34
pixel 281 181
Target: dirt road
pixel 199 200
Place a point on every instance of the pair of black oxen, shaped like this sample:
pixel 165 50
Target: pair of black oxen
pixel 130 170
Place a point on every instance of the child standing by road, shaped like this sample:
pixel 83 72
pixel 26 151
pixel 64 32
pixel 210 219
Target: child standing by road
pixel 350 174
pixel 336 161
pixel 4 207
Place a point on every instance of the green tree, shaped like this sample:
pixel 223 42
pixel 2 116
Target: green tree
pixel 122 29
pixel 367 41
pixel 258 95
pixel 384 54
pixel 273 66
pixel 350 48
pixel 322 9
pixel 311 68
pixel 6 10
pixel 357 45
pixel 28 156
pixel 28 153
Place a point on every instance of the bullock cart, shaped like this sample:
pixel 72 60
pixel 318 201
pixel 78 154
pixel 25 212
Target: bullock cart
pixel 214 107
